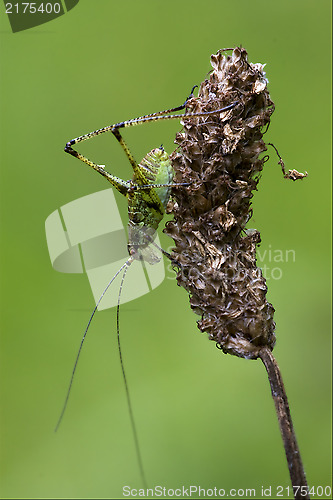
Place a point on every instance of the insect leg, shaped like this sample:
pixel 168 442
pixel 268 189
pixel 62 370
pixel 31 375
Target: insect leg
pixel 109 128
pixel 159 116
pixel 118 183
pixel 121 185
pixel 155 117
pixel 142 118
pixel 154 186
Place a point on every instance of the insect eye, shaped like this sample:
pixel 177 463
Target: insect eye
pixel 157 153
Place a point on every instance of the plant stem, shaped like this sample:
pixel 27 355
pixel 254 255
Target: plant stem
pixel 296 469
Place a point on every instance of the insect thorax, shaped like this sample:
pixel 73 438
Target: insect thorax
pixel 156 167
pixel 146 205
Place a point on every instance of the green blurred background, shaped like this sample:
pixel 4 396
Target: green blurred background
pixel 203 418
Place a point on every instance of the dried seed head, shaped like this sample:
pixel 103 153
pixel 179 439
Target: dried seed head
pixel 219 156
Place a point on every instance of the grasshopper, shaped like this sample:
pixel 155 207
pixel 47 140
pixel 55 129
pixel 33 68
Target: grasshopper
pixel 147 193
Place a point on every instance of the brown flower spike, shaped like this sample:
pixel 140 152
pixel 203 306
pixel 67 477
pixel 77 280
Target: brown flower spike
pixel 220 156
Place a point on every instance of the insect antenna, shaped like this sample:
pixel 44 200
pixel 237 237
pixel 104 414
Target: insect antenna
pixel 126 264
pixel 129 404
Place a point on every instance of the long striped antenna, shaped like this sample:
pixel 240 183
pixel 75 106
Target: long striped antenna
pixel 126 264
pixel 129 404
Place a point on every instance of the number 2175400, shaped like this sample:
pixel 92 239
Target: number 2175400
pixel 33 8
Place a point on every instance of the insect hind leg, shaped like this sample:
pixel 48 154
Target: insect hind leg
pixel 110 128
pixel 122 186
pixel 139 121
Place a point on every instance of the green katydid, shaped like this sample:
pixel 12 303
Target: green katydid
pixel 147 195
